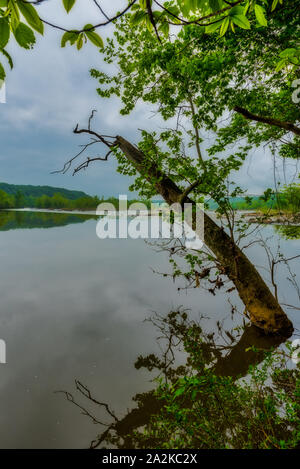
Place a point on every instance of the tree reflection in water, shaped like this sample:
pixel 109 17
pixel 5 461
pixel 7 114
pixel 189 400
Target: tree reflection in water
pixel 288 231
pixel 188 352
pixel 15 220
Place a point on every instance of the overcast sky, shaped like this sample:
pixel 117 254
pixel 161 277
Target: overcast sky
pixel 50 90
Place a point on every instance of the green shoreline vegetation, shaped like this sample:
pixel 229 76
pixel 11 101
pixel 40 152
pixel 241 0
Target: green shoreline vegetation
pixel 286 201
pixel 58 201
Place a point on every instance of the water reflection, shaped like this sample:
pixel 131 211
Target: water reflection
pixel 178 337
pixel 14 220
pixel 73 306
pixel 240 357
pixel 288 231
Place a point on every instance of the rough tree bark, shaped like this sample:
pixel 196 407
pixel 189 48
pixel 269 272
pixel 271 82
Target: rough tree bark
pixel 262 307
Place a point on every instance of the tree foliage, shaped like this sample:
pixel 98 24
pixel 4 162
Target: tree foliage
pixel 158 17
pixel 198 82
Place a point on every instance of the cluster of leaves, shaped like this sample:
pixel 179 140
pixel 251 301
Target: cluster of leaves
pixel 213 15
pixel 206 411
pixel 13 13
pixel 81 37
pixel 289 198
pixel 157 17
pixel 289 56
pixel 288 231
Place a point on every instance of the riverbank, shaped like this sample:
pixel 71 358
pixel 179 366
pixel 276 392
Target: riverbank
pixel 258 217
pixel 277 218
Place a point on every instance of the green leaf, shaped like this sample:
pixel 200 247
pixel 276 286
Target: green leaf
pixel 241 21
pixel 93 37
pixel 143 3
pixel 137 17
pixel 281 64
pixel 179 392
pixel 246 7
pixel 14 16
pixel 135 7
pixel 6 54
pixel 185 7
pixel 80 41
pixel 274 5
pixel 2 72
pixel 4 32
pixel 224 26
pixel 3 3
pixel 260 15
pixel 211 28
pixel 173 10
pixel 149 25
pixel 290 52
pixel 24 36
pixel 31 16
pixel 214 5
pixel 69 36
pixel 164 28
pixel 68 4
pixel 236 11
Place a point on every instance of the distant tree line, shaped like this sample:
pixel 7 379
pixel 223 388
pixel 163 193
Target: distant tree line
pixel 286 200
pixel 56 201
pixel 37 191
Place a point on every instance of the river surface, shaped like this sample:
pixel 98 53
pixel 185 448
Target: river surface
pixel 73 307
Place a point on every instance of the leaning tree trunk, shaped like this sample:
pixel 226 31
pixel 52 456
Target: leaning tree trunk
pixel 262 307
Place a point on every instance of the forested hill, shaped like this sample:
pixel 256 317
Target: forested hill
pixel 38 191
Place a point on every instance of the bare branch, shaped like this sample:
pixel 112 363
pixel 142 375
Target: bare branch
pixel 87 393
pixel 101 9
pixel 97 138
pixel 101 138
pixel 86 163
pixel 91 117
pixel 68 164
pixel 71 399
pixel 104 23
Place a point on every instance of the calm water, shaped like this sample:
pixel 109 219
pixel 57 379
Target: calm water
pixel 73 306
